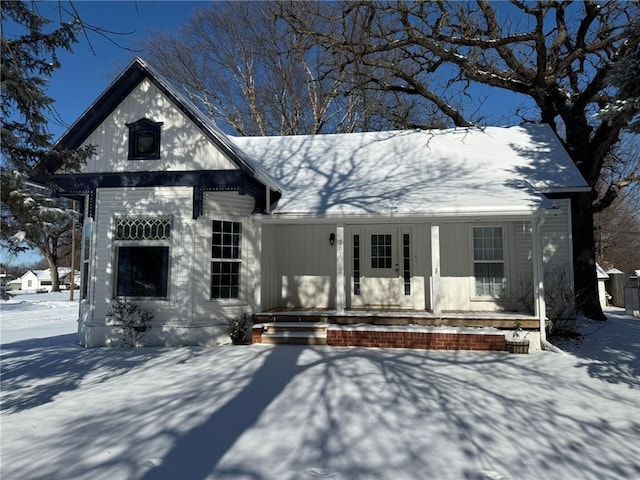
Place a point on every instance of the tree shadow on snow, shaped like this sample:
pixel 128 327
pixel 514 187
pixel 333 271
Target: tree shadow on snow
pixel 610 350
pixel 240 412
pixel 35 371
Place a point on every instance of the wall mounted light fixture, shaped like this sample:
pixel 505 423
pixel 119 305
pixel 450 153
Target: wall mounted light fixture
pixel 332 239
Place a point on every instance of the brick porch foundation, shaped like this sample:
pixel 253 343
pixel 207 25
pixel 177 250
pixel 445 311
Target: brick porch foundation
pixel 419 340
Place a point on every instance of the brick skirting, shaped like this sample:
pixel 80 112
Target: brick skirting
pixel 419 340
pixel 256 333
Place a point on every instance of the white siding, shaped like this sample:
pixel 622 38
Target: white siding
pixel 229 206
pixel 457 281
pixel 159 201
pixel 521 269
pixel 558 261
pixel 183 146
pixel 299 266
pixel 556 236
pixel 455 266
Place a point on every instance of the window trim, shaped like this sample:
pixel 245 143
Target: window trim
pixel 168 242
pixel 503 262
pixel 244 290
pixel 87 236
pixel 142 126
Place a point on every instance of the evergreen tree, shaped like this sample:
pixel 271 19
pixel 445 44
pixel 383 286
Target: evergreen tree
pixel 30 216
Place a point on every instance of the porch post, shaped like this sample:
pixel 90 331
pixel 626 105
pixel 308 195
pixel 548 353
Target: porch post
pixel 538 278
pixel 340 283
pixel 436 306
pixel 257 266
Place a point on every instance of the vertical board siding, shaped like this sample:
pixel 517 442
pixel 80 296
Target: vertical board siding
pixel 299 266
pixel 455 266
pixel 183 146
pixel 558 261
pixel 457 280
pixel 229 206
pixel 555 236
pixel 521 275
pixel 144 202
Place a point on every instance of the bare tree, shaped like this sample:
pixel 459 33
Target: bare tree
pixel 243 65
pixel 618 227
pixel 554 55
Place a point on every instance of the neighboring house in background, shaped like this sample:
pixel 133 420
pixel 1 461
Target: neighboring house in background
pixel 65 279
pixel 383 232
pixel 603 296
pixel 40 280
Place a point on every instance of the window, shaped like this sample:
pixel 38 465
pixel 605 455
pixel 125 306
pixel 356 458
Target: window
pixel 144 140
pixel 406 263
pixel 381 251
pixel 143 271
pixel 142 246
pixel 226 259
pixel 488 258
pixel 356 264
pixel 86 245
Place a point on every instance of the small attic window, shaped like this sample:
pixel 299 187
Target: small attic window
pixel 144 139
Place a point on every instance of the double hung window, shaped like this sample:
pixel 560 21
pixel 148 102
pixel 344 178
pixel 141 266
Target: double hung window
pixel 226 259
pixel 488 261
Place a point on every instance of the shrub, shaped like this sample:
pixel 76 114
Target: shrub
pixel 132 320
pixel 239 329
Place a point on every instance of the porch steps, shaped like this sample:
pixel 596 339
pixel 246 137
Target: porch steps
pixel 305 333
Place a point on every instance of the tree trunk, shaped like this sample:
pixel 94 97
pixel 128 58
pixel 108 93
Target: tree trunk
pixel 51 261
pixel 584 259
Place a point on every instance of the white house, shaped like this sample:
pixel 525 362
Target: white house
pixel 39 280
pixel 400 230
pixel 602 289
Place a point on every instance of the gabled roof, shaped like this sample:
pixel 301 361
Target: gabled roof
pixel 45 275
pixel 460 171
pixel 123 85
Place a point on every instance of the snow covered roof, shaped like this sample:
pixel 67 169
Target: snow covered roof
pixel 45 275
pixel 602 275
pixel 454 171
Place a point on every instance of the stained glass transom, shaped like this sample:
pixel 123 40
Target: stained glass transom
pixel 143 228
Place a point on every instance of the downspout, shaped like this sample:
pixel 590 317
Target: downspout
pixel 539 290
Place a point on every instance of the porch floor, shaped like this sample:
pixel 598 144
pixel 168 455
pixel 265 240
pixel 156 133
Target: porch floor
pixel 502 320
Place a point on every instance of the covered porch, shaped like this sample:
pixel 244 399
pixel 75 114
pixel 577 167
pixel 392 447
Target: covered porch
pixel 322 282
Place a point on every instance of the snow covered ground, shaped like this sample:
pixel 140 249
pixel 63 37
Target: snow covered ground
pixel 292 412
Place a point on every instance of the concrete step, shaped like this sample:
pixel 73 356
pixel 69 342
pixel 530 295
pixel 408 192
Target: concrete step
pixel 295 337
pixel 275 327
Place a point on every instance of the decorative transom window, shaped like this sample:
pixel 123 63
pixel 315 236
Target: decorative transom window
pixel 381 251
pixel 226 259
pixel 488 261
pixel 142 257
pixel 143 228
pixel 144 139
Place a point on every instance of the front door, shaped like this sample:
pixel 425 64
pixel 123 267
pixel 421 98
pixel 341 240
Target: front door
pixel 384 256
